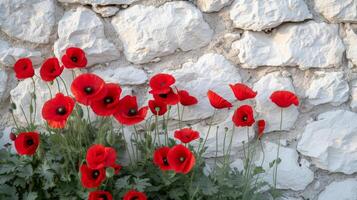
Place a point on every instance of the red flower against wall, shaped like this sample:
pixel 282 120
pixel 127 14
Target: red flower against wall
pixel 181 159
pixel 26 143
pixel 50 69
pixel 87 88
pixel 91 178
pixel 186 135
pixel 57 110
pixel 242 92
pixel 23 69
pixel 128 111
pixel 109 103
pixel 160 83
pixel 217 101
pixel 157 107
pixel 160 158
pixel 169 98
pixel 243 116
pixel 186 99
pixel 74 58
pixel 284 99
pixel 261 127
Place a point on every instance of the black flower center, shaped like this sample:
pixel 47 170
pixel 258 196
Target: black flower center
pixel 163 95
pixel 74 59
pixel 166 163
pixel 134 198
pixel 103 197
pixel 95 174
pixel 61 110
pixel 29 142
pixel 132 112
pixel 108 100
pixel 182 159
pixel 88 90
pixel 245 118
pixel 52 70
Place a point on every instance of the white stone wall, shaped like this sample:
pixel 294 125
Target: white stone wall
pixel 306 46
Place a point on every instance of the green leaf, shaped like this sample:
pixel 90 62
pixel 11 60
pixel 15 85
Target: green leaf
pixel 109 172
pixel 141 184
pixel 25 172
pixel 123 183
pixel 258 170
pixel 30 196
pixel 271 164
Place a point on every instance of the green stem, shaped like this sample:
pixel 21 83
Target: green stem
pixel 64 84
pixel 58 86
pixel 137 142
pixel 157 130
pixel 178 114
pixel 215 158
pixel 23 112
pixel 166 128
pixel 200 150
pixel 49 89
pixel 34 100
pixel 278 151
pixel 13 117
pixel 126 144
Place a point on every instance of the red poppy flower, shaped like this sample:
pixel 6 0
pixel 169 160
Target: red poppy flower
pixel 50 69
pixel 186 99
pixel 116 168
pixel 160 158
pixel 160 83
pixel 217 101
pixel 134 195
pixel 23 68
pixel 261 127
pixel 91 178
pixel 99 156
pixel 284 99
pixel 100 195
pixel 157 107
pixel 74 58
pixel 128 112
pixel 26 143
pixel 109 103
pixel 186 135
pixel 87 88
pixel 170 98
pixel 57 110
pixel 242 92
pixel 181 159
pixel 243 116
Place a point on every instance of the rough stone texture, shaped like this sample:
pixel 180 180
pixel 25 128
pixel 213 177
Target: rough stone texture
pixel 29 20
pixel 301 176
pixel 341 190
pixel 353 103
pixel 3 85
pixel 307 45
pixel 337 10
pixel 212 5
pixel 148 32
pixel 124 75
pixel 351 48
pixel 101 2
pixel 330 141
pixel 267 109
pixel 264 14
pixel 211 71
pixel 83 28
pixel 105 11
pixel 9 55
pixel 330 87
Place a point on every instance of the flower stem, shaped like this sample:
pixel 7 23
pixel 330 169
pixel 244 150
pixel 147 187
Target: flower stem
pixel 49 89
pixel 58 85
pixel 34 99
pixel 23 112
pixel 200 150
pixel 126 144
pixel 178 114
pixel 278 151
pixel 157 130
pixel 64 84
pixel 215 158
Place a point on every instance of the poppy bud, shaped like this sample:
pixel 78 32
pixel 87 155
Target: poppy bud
pixel 13 106
pixel 12 136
